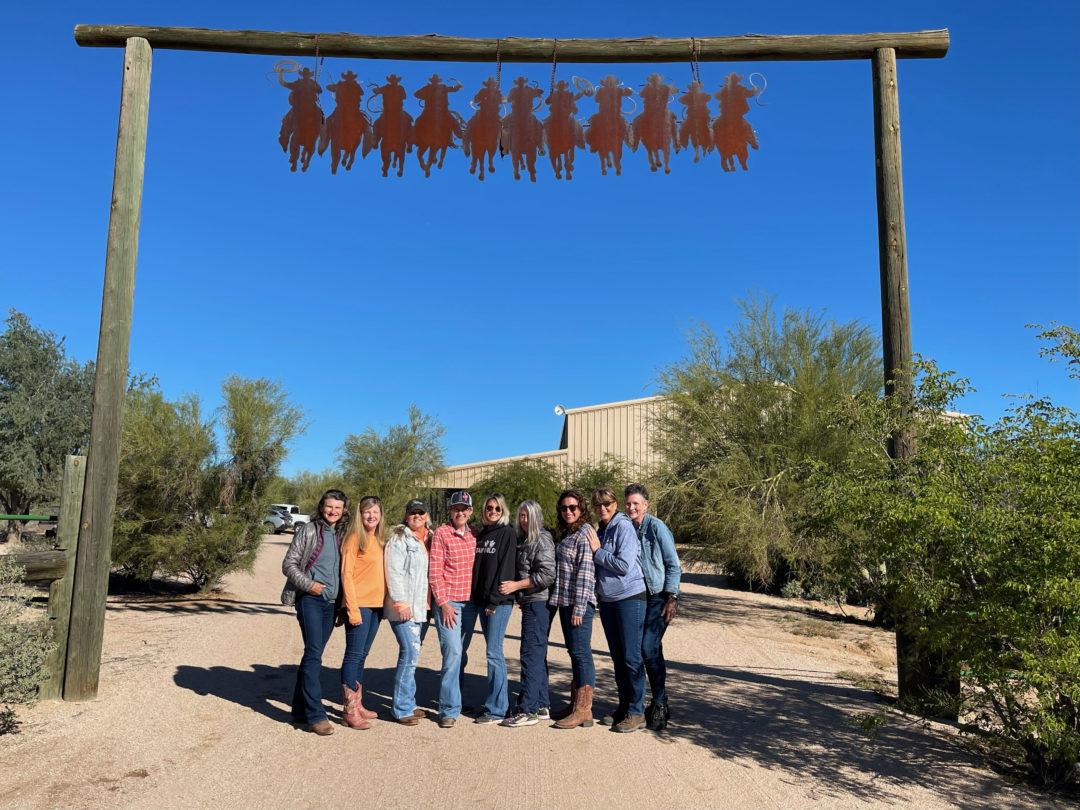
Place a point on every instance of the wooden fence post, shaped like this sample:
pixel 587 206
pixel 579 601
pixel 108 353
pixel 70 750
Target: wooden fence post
pixel 103 461
pixel 67 535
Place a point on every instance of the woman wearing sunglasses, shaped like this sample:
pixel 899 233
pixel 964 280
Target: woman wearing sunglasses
pixel 620 588
pixel 574 595
pixel 495 563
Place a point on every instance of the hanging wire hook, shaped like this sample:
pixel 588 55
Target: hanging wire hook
pixel 758 93
pixel 695 65
pixel 554 62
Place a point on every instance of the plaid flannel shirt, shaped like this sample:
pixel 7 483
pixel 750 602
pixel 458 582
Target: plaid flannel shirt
pixel 450 564
pixel 575 573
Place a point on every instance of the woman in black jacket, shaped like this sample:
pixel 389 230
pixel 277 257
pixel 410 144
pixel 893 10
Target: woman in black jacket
pixel 535 572
pixel 494 564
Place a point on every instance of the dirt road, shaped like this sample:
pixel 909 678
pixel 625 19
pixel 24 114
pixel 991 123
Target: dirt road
pixel 193 712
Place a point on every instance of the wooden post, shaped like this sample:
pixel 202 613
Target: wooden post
pixel 103 462
pixel 67 535
pixel 925 680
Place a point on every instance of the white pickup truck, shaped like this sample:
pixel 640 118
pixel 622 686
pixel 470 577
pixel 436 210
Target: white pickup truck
pixel 293 511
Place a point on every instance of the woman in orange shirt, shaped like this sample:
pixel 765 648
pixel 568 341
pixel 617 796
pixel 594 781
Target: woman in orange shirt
pixel 363 581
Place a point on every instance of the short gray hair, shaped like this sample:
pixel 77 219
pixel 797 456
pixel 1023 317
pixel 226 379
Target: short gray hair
pixel 536 520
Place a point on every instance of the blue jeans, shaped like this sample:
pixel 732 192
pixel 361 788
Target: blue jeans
pixel 579 644
pixel 316 618
pixel 493 627
pixel 409 640
pixel 535 625
pixel 358 641
pixel 450 646
pixel 652 647
pixel 624 624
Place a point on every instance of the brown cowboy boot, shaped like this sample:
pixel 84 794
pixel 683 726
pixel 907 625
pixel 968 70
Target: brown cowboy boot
pixel 351 716
pixel 582 715
pixel 568 710
pixel 367 714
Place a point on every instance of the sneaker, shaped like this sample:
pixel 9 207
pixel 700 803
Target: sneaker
pixel 521 720
pixel 446 722
pixel 487 719
pixel 543 713
pixel 632 722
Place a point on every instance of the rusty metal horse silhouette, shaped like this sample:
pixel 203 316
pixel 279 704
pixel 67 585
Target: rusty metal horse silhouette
pixel 696 130
pixel 607 127
pixel 481 139
pixel 562 132
pixel 303 122
pixel 347 125
pixel 393 128
pixel 656 126
pixel 437 126
pixel 523 134
pixel 731 132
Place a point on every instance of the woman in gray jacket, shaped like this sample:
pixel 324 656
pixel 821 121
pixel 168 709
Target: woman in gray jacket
pixel 536 573
pixel 312 569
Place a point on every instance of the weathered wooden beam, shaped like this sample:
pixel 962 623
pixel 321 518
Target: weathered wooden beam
pixel 67 536
pixel 40 566
pixel 892 239
pixel 435 48
pixel 103 460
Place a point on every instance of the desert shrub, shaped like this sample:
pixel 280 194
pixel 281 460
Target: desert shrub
pixel 25 643
pixel 520 481
pixel 972 544
pixel 610 471
pixel 746 420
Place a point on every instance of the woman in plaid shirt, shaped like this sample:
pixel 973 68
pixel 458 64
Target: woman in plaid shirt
pixel 574 595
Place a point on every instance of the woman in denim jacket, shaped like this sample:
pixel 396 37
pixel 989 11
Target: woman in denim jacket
pixel 535 573
pixel 406 609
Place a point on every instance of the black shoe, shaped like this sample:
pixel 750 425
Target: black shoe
pixel 614 718
pixel 656 716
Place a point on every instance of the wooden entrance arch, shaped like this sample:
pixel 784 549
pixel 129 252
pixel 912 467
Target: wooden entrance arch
pixel 99 496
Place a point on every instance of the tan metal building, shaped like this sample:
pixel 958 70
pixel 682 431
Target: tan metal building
pixel 621 429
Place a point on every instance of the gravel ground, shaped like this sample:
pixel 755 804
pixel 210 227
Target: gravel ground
pixel 193 712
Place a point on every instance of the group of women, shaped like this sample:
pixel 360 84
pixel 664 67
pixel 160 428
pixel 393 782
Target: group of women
pixel 353 571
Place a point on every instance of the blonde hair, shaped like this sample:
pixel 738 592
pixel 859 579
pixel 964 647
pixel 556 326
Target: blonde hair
pixel 504 516
pixel 358 534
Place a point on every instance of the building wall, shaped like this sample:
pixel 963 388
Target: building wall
pixel 619 429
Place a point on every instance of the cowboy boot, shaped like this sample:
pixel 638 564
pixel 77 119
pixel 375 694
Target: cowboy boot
pixel 582 715
pixel 367 714
pixel 568 710
pixel 351 716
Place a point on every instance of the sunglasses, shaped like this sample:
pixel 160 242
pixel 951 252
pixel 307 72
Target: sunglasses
pixel 496 509
pixel 566 507
pixel 606 504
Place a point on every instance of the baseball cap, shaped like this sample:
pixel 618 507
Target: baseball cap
pixel 461 498
pixel 415 505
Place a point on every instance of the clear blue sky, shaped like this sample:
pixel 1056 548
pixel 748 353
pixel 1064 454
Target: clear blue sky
pixel 488 303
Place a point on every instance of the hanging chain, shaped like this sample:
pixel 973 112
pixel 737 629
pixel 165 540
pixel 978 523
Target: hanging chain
pixel 554 63
pixel 316 57
pixel 498 64
pixel 695 65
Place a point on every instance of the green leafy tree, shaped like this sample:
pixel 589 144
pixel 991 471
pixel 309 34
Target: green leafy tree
pixel 520 481
pixel 742 426
pixel 25 644
pixel 183 512
pixel 395 465
pixel 45 402
pixel 610 471
pixel 972 544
